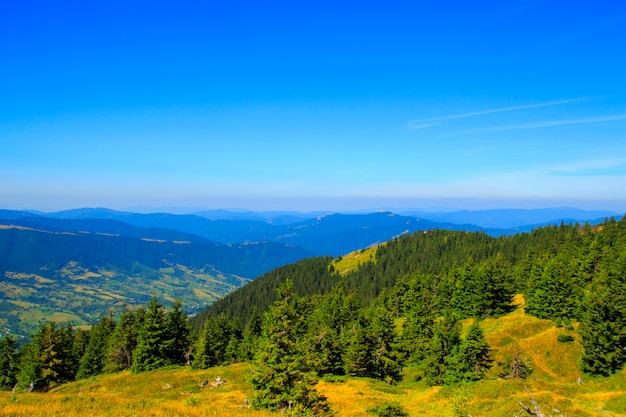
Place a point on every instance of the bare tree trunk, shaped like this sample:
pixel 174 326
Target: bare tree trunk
pixel 537 409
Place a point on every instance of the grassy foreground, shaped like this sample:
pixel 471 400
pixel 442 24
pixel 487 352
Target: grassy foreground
pixel 554 383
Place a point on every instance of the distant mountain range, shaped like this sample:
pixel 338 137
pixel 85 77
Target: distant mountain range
pixel 77 264
pixel 334 233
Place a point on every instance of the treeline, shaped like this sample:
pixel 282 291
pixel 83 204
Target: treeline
pixel 402 308
pixel 141 340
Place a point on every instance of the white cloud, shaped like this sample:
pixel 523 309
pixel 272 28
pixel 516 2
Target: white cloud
pixel 548 123
pixel 423 123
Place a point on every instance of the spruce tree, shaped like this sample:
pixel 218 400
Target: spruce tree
pixel 443 346
pixel 212 345
pixel 282 378
pixel 48 358
pixel 149 353
pixel 124 340
pixel 603 324
pixel 473 357
pixel 94 359
pixel 328 328
pixel 553 292
pixel 177 341
pixel 9 362
pixel 359 348
pixel 250 337
pixel 387 360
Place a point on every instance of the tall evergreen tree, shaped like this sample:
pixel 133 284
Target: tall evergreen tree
pixel 124 340
pixel 153 334
pixel 328 328
pixel 387 359
pixel 212 345
pixel 94 359
pixel 282 378
pixel 373 350
pixel 9 362
pixel 48 358
pixel 553 292
pixel 444 345
pixel 177 341
pixel 603 323
pixel 473 357
pixel 359 349
pixel 419 303
pixel 250 337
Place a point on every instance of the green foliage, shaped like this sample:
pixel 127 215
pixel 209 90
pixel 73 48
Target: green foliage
pixel 93 361
pixel 388 410
pixel 473 357
pixel 603 325
pixel 481 290
pixel 178 340
pixel 48 358
pixel 565 338
pixel 150 353
pixel 443 346
pixel 282 378
pixel 328 330
pixel 9 361
pixel 552 292
pixel 373 350
pixel 124 340
pixel 214 345
pixel 162 339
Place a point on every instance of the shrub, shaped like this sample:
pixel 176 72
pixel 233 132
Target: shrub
pixel 565 338
pixel 388 410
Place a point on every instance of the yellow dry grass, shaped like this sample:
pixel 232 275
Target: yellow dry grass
pixel 351 261
pixel 176 392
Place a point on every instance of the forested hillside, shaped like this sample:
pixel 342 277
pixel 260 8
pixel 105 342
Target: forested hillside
pixel 79 270
pixel 448 258
pixel 428 307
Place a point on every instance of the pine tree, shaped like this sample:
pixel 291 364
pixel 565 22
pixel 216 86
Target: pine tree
pixel 603 324
pixel 149 353
pixel 177 340
pixel 444 345
pixel 420 309
pixel 554 293
pixel 9 362
pixel 327 331
pixel 472 359
pixel 211 348
pixel 282 378
pixel 359 349
pixel 48 358
pixel 124 340
pixel 94 359
pixel 387 360
pixel 250 337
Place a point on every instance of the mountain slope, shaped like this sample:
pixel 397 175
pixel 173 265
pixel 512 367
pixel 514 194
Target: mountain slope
pixel 176 391
pixel 78 276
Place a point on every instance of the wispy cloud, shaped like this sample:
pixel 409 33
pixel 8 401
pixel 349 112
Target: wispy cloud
pixel 433 121
pixel 417 125
pixel 548 123
pixel 586 166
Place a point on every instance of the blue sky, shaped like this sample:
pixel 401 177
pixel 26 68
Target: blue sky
pixel 313 105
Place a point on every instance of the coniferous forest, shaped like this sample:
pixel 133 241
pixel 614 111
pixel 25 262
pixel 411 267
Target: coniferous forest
pixel 401 308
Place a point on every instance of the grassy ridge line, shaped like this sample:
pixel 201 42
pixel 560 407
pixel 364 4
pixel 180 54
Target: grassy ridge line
pixel 176 392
